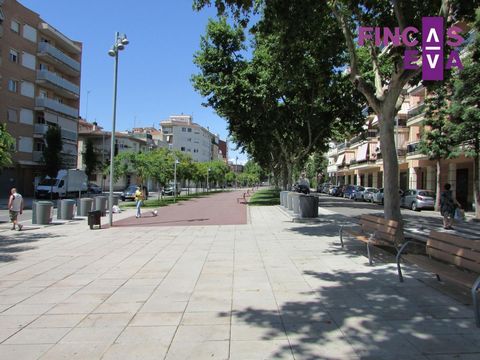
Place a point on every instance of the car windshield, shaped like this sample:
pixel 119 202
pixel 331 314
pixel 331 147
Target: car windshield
pixel 48 182
pixel 131 188
pixel 426 193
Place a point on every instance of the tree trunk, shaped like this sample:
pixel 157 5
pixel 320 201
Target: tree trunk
pixel 285 178
pixel 476 179
pixel 290 175
pixel 438 185
pixel 390 164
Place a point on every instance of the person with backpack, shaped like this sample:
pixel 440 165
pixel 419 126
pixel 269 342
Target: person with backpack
pixel 15 207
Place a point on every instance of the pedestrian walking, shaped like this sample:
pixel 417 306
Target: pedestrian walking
pixel 448 205
pixel 139 200
pixel 15 207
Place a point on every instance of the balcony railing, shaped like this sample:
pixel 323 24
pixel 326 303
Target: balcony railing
pixel 40 129
pixel 38 156
pixel 343 146
pixel 56 106
pixel 417 110
pixel 46 48
pixel 58 81
pixel 70 135
pixel 412 148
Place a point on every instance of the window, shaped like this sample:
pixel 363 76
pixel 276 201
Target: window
pixel 26 116
pixel 15 26
pixel 43 66
pixel 13 85
pixel 184 129
pixel 14 56
pixel 189 129
pixel 29 60
pixel 25 144
pixel 12 115
pixel 182 148
pixel 42 94
pixel 27 89
pixel 189 139
pixel 39 146
pixel 30 33
pixel 2 16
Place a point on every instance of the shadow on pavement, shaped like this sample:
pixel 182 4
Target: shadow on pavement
pixel 19 242
pixel 366 314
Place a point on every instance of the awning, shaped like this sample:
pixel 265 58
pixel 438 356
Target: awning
pixel 362 152
pixel 340 159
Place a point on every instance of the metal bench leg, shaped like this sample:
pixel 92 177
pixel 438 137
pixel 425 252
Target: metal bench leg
pixel 438 277
pixel 340 232
pixel 476 301
pixel 399 259
pixel 369 251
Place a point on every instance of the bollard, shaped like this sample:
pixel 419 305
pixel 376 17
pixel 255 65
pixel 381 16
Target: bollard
pixel 101 204
pixel 44 212
pixel 66 209
pixel 308 206
pixel 296 203
pixel 85 206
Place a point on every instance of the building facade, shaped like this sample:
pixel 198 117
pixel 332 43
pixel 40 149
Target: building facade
pixel 181 133
pixel 358 161
pixel 101 144
pixel 39 87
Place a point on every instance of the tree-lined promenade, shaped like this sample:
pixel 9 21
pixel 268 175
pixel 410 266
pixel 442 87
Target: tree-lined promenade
pixel 290 77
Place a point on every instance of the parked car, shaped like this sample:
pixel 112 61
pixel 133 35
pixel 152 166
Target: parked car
pixel 348 191
pixel 368 193
pixel 358 192
pixel 340 190
pixel 333 191
pixel 418 199
pixel 169 189
pixel 94 188
pixel 378 197
pixel 129 193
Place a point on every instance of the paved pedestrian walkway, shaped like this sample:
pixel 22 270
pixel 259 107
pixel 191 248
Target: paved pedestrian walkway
pixel 218 209
pixel 269 289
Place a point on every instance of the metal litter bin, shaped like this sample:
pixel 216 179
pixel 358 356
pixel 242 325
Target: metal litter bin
pixel 308 206
pixel 66 209
pixel 101 204
pixel 43 212
pixel 289 204
pixel 94 218
pixel 283 198
pixel 296 203
pixel 85 206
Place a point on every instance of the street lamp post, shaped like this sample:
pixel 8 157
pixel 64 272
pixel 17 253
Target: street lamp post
pixel 120 42
pixel 175 180
pixel 236 172
pixel 208 186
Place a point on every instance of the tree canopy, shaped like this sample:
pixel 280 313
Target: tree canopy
pixel 7 143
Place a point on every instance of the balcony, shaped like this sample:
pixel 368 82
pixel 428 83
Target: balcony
pixel 58 58
pixel 46 103
pixel 69 135
pixel 343 146
pixel 412 148
pixel 38 156
pixel 58 84
pixel 40 129
pixel 370 134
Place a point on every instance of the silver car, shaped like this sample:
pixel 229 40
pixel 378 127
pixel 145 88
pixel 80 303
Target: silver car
pixel 418 199
pixel 368 193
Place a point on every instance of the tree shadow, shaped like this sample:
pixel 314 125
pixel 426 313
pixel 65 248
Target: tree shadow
pixel 20 242
pixel 367 314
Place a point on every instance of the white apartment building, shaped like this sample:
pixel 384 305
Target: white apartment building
pixel 181 133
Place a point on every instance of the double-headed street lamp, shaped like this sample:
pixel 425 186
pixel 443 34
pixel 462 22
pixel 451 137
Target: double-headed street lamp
pixel 120 42
pixel 175 180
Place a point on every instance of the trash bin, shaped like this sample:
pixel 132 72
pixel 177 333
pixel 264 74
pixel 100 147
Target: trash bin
pixel 94 219
pixel 289 200
pixel 308 206
pixel 296 203
pixel 66 209
pixel 85 206
pixel 283 198
pixel 43 212
pixel 101 204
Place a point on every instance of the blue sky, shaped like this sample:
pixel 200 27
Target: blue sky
pixel 154 69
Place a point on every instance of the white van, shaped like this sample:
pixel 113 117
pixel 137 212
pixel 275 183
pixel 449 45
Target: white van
pixel 70 182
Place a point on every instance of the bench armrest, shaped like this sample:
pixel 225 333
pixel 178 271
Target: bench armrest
pixel 400 252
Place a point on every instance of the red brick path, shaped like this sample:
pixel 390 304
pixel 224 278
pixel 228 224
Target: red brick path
pixel 218 209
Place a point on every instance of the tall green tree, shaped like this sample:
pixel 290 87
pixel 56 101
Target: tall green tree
pixel 52 152
pixel 382 78
pixel 90 158
pixel 466 109
pixel 438 139
pixel 7 143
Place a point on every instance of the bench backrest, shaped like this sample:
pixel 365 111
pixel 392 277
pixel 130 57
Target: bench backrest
pixel 464 253
pixel 385 230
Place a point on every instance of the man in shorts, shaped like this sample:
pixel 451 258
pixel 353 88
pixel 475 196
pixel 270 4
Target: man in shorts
pixel 15 207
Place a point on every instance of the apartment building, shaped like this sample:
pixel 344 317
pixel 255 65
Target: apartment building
pixel 359 160
pixel 181 133
pixel 39 87
pixel 101 141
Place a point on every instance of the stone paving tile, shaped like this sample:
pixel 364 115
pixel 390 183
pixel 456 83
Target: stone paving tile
pixel 204 350
pixel 54 321
pixel 206 318
pixel 37 336
pixel 161 335
pixel 23 352
pixel 136 351
pixel 156 319
pixel 76 351
pixel 200 333
pixel 274 349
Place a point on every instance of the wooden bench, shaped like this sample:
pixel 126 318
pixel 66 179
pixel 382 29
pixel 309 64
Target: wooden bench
pixel 451 257
pixel 244 197
pixel 374 231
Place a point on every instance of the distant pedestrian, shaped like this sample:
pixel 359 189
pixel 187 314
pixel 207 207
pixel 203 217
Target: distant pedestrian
pixel 139 200
pixel 448 205
pixel 15 207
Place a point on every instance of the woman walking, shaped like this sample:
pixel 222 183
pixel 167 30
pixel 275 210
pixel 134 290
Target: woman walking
pixel 139 200
pixel 448 205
